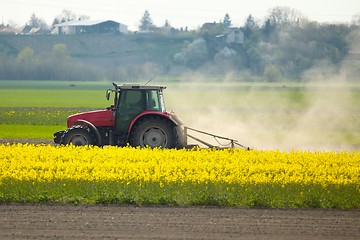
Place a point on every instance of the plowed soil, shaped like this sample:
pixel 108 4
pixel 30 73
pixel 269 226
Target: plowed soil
pixel 133 222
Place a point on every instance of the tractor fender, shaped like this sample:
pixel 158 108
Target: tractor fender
pixel 91 126
pixel 149 113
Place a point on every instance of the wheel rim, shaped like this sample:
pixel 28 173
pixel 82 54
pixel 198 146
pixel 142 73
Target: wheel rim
pixel 79 140
pixel 153 137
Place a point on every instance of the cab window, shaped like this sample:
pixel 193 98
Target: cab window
pixel 152 100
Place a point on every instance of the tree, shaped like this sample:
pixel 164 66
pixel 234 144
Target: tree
pixel 25 55
pixel 250 26
pixel 60 52
pixel 267 29
pixel 193 55
pixel 36 22
pixel 355 20
pixel 254 59
pixel 272 73
pixel 227 20
pixel 146 23
pixel 167 24
pixel 281 17
pixel 11 23
pixel 67 15
pixel 55 21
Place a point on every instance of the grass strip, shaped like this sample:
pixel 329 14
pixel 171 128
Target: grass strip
pixel 181 194
pixel 19 131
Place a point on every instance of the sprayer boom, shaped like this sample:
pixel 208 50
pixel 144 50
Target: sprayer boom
pixel 232 142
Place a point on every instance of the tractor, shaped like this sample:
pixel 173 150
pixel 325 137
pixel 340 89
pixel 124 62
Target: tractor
pixel 136 118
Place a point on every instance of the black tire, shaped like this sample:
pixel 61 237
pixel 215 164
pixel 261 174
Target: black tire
pixel 154 132
pixel 182 141
pixel 78 136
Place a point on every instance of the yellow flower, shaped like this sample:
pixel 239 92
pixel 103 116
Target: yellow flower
pixel 39 163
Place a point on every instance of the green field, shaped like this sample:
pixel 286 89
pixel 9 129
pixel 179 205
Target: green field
pixel 263 115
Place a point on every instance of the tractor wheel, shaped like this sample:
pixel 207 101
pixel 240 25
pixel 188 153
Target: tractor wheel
pixel 154 132
pixel 78 136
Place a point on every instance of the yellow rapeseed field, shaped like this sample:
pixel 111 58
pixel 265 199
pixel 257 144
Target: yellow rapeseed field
pixel 41 163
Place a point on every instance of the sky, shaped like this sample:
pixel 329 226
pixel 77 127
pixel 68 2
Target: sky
pixel 184 13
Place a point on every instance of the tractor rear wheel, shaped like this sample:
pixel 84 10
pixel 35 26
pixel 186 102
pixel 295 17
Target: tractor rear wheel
pixel 154 132
pixel 78 136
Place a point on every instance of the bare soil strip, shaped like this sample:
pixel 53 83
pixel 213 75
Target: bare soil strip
pixel 133 222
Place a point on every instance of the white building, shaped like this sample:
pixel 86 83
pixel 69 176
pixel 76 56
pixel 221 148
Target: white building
pixel 89 26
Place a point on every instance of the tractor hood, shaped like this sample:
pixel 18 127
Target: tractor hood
pixel 99 118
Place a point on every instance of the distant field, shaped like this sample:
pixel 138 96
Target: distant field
pixel 52 94
pixel 260 114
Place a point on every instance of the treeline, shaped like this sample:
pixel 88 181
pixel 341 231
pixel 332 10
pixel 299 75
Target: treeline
pixel 277 51
pixel 285 45
pixel 55 65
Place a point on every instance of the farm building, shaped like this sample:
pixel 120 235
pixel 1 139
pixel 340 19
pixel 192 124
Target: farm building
pixel 5 29
pixel 231 35
pixel 234 36
pixel 89 26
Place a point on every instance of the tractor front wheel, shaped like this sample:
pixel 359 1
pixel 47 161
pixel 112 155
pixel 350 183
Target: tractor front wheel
pixel 154 132
pixel 78 136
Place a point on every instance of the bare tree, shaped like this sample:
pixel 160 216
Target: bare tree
pixel 12 23
pixel 281 17
pixel 67 15
pixel 356 20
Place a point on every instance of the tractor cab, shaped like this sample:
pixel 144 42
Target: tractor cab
pixel 132 100
pixel 139 96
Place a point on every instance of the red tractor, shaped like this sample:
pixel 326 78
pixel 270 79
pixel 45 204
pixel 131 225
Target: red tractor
pixel 137 117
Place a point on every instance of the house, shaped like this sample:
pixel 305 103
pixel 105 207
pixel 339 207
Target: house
pixel 6 29
pixel 210 27
pixel 89 26
pixel 25 29
pixel 234 36
pixel 231 35
pixel 29 30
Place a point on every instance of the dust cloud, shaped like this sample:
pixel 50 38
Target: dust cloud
pixel 321 112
